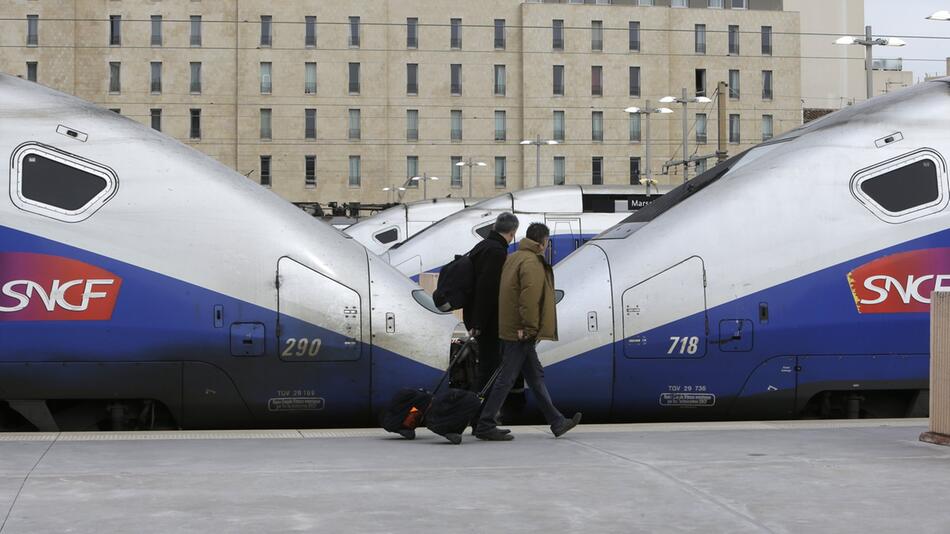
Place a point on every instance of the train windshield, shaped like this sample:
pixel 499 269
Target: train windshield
pixel 666 202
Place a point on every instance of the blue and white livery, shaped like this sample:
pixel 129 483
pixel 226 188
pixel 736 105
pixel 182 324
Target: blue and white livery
pixel 394 225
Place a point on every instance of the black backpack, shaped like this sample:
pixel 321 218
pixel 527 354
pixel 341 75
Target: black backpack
pixel 456 284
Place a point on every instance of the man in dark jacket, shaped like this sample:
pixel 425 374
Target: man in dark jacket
pixel 526 315
pixel 481 315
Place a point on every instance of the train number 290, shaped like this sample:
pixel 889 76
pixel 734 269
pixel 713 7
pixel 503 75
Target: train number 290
pixel 683 345
pixel 302 347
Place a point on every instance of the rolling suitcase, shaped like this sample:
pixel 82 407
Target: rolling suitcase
pixel 409 407
pixel 452 410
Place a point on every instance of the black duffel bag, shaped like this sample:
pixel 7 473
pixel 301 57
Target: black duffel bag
pixel 406 412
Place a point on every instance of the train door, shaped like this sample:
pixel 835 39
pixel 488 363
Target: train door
pixel 565 237
pixel 325 364
pixel 664 333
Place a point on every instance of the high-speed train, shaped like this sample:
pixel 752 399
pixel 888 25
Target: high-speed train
pixel 143 283
pixel 792 280
pixel 574 213
pixel 394 225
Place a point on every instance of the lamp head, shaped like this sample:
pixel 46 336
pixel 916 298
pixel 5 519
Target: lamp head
pixel 668 99
pixel 526 142
pixel 846 40
pixel 894 41
pixel 551 142
pixel 664 111
pixel 703 99
pixel 632 109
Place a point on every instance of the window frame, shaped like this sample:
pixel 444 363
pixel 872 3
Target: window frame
pixel 64 158
pixel 916 212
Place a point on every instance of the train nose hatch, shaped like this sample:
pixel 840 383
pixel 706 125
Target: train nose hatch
pixel 319 319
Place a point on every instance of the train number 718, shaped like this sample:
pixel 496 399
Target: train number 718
pixel 683 345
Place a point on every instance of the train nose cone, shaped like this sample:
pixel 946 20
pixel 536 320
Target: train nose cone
pixel 411 339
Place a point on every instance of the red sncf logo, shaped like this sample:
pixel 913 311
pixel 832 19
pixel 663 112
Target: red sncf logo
pixel 40 287
pixel 900 283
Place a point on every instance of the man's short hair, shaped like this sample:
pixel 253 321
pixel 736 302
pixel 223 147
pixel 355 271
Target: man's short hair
pixel 537 232
pixel 506 223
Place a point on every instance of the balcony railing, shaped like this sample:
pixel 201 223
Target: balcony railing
pixel 597 44
pixel 456 88
pixel 766 49
pixel 558 44
pixel 354 87
pixel 412 134
pixel 456 134
pixel 412 88
pixel 701 138
pixel 456 42
pixel 354 133
pixel 156 87
pixel 500 42
pixel 499 89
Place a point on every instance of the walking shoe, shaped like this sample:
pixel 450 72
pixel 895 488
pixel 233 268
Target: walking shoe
pixel 504 430
pixel 495 434
pixel 456 439
pixel 566 425
pixel 407 433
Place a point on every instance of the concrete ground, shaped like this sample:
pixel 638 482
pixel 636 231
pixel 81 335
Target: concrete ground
pixel 805 476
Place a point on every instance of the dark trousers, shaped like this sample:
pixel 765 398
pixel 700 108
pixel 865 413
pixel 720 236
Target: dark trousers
pixel 518 357
pixel 489 357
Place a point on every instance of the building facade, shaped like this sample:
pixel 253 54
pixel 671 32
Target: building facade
pixel 335 101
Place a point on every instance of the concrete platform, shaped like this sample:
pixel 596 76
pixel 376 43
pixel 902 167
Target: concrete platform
pixel 804 476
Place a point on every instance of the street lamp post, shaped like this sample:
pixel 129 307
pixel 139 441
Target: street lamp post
pixel 391 190
pixel 868 42
pixel 685 101
pixel 470 163
pixel 425 178
pixel 537 143
pixel 648 111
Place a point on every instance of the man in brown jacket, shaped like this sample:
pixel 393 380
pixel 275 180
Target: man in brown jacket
pixel 526 315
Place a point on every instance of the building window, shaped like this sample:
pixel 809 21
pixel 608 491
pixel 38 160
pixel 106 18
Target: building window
pixel 355 177
pixel 558 126
pixel 500 128
pixel 700 128
pixel 648 3
pixel 155 114
pixel 700 166
pixel 634 170
pixel 455 35
pixel 597 80
pixel 597 35
pixel 266 30
pixel 596 125
pixel 155 84
pixel 499 80
pixel 679 3
pixel 412 125
pixel 31 68
pixel 597 170
pixel 456 180
pixel 156 30
pixel 353 72
pixel 734 134
pixel 499 34
pixel 412 78
pixel 115 71
pixel 195 126
pixel 766 127
pixel 715 4
pixel 195 86
pixel 733 40
pixel 310 78
pixel 310 31
pixel 633 35
pixel 766 40
pixel 635 82
pixel 734 84
pixel 310 172
pixel 635 127
pixel 33 30
pixel 265 171
pixel 115 30
pixel 354 36
pixel 265 124
pixel 739 4
pixel 354 130
pixel 501 173
pixel 766 85
pixel 310 123
pixel 700 82
pixel 456 79
pixel 557 34
pixel 266 86
pixel 412 170
pixel 456 124
pixel 412 32
pixel 195 30
pixel 700 33
pixel 560 170
pixel 558 80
